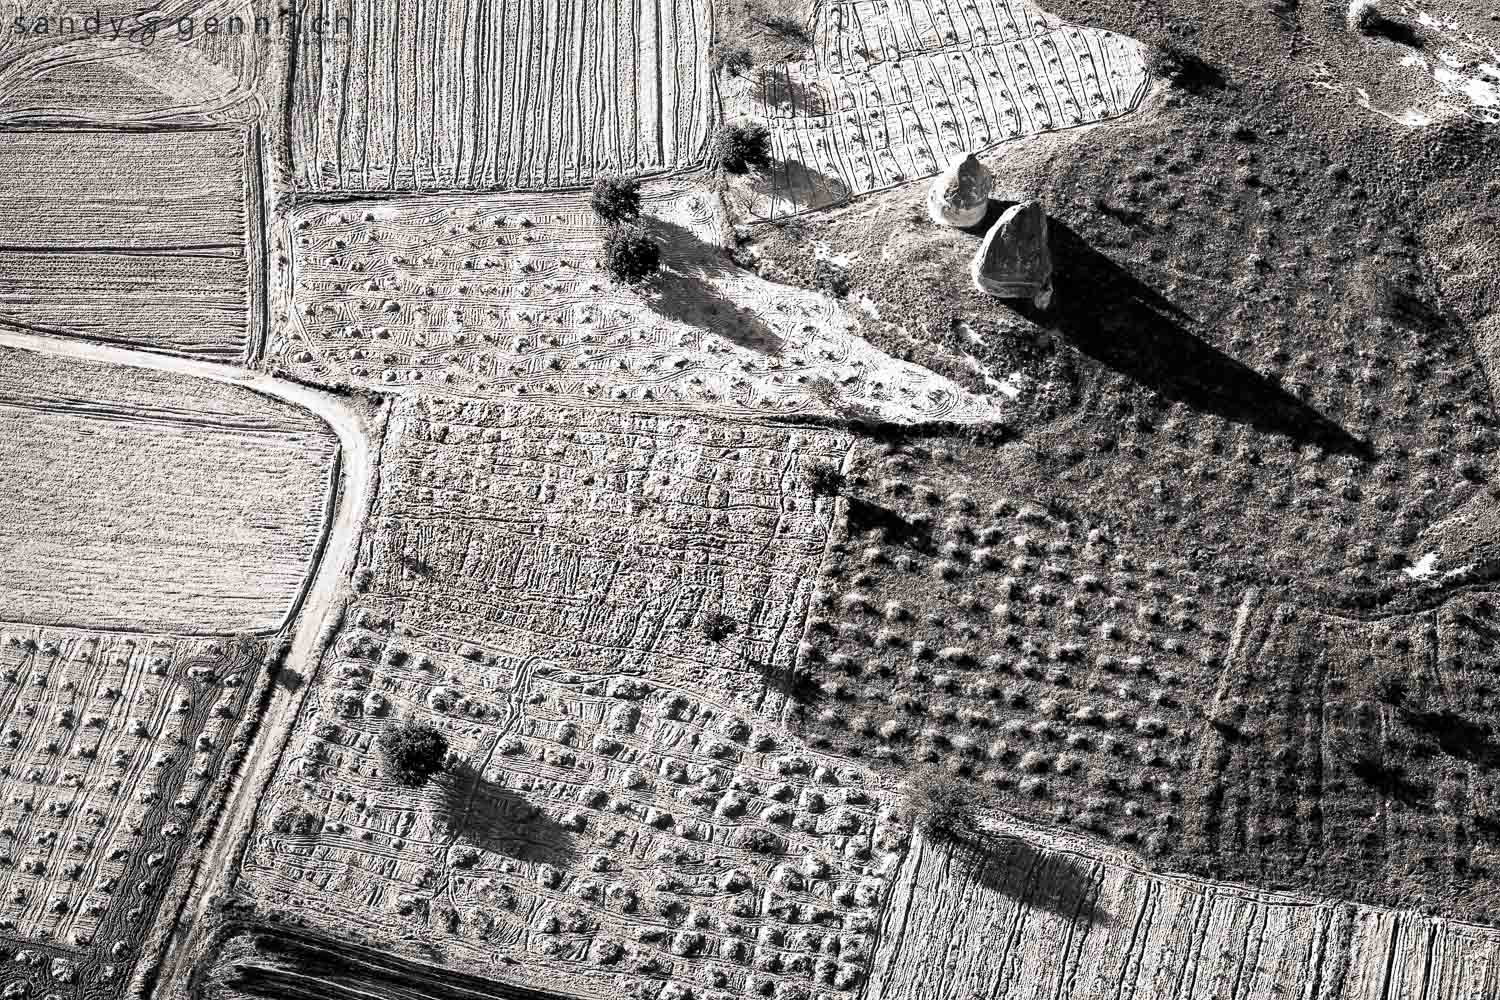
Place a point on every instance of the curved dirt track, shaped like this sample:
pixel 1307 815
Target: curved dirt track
pixel 356 467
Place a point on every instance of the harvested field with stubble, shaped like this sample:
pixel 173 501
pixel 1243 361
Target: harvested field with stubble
pixel 626 806
pixel 113 748
pixel 140 500
pixel 438 95
pixel 1027 915
pixel 504 298
pixel 155 253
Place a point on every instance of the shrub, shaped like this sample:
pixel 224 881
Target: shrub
pixel 629 254
pixel 732 59
pixel 827 480
pixel 941 805
pixel 413 752
pixel 296 820
pixel 616 198
pixel 717 626
pixel 743 146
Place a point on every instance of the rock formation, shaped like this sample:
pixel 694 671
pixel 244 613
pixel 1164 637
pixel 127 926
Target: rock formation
pixel 1014 261
pixel 961 194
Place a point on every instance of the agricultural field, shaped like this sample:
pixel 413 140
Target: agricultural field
pixel 503 298
pixel 1020 644
pixel 112 760
pixel 608 667
pixel 1028 915
pixel 891 93
pixel 438 95
pixel 137 500
pixel 1360 753
pixel 130 66
pixel 156 253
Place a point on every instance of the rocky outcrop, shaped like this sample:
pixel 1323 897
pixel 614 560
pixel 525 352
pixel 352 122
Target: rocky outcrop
pixel 1015 261
pixel 960 195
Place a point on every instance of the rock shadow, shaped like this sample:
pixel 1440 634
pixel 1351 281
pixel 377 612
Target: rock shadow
pixel 1049 880
pixel 684 291
pixel 490 818
pixel 1119 321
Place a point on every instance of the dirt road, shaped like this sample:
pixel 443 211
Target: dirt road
pixel 357 466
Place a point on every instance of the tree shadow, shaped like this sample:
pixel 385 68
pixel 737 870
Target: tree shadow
pixel 790 176
pixel 895 529
pixel 1457 736
pixel 778 89
pixel 684 291
pixel 1049 880
pixel 1391 780
pixel 486 817
pixel 1119 321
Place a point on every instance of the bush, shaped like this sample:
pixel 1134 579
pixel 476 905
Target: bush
pixel 732 59
pixel 413 752
pixel 616 198
pixel 941 805
pixel 827 480
pixel 629 254
pixel 743 146
pixel 717 626
pixel 295 820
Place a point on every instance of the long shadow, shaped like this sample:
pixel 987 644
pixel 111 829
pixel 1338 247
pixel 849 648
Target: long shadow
pixel 289 964
pixel 1457 736
pixel 896 530
pixel 1110 315
pixel 489 818
pixel 1390 779
pixel 1050 880
pixel 778 89
pixel 684 291
pixel 791 175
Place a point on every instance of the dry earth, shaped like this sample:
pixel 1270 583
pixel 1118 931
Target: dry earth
pixel 1185 584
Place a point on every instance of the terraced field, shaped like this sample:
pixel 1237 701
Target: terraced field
pixel 895 91
pixel 155 253
pixel 1375 765
pixel 1031 916
pixel 137 500
pixel 503 298
pixel 441 95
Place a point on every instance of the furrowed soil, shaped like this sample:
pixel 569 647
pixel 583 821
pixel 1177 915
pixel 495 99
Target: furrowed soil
pixel 154 253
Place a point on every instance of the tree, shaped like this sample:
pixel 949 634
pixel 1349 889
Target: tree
pixel 413 752
pixel 732 59
pixel 942 805
pixel 743 146
pixel 630 255
pixel 717 626
pixel 827 480
pixel 616 198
